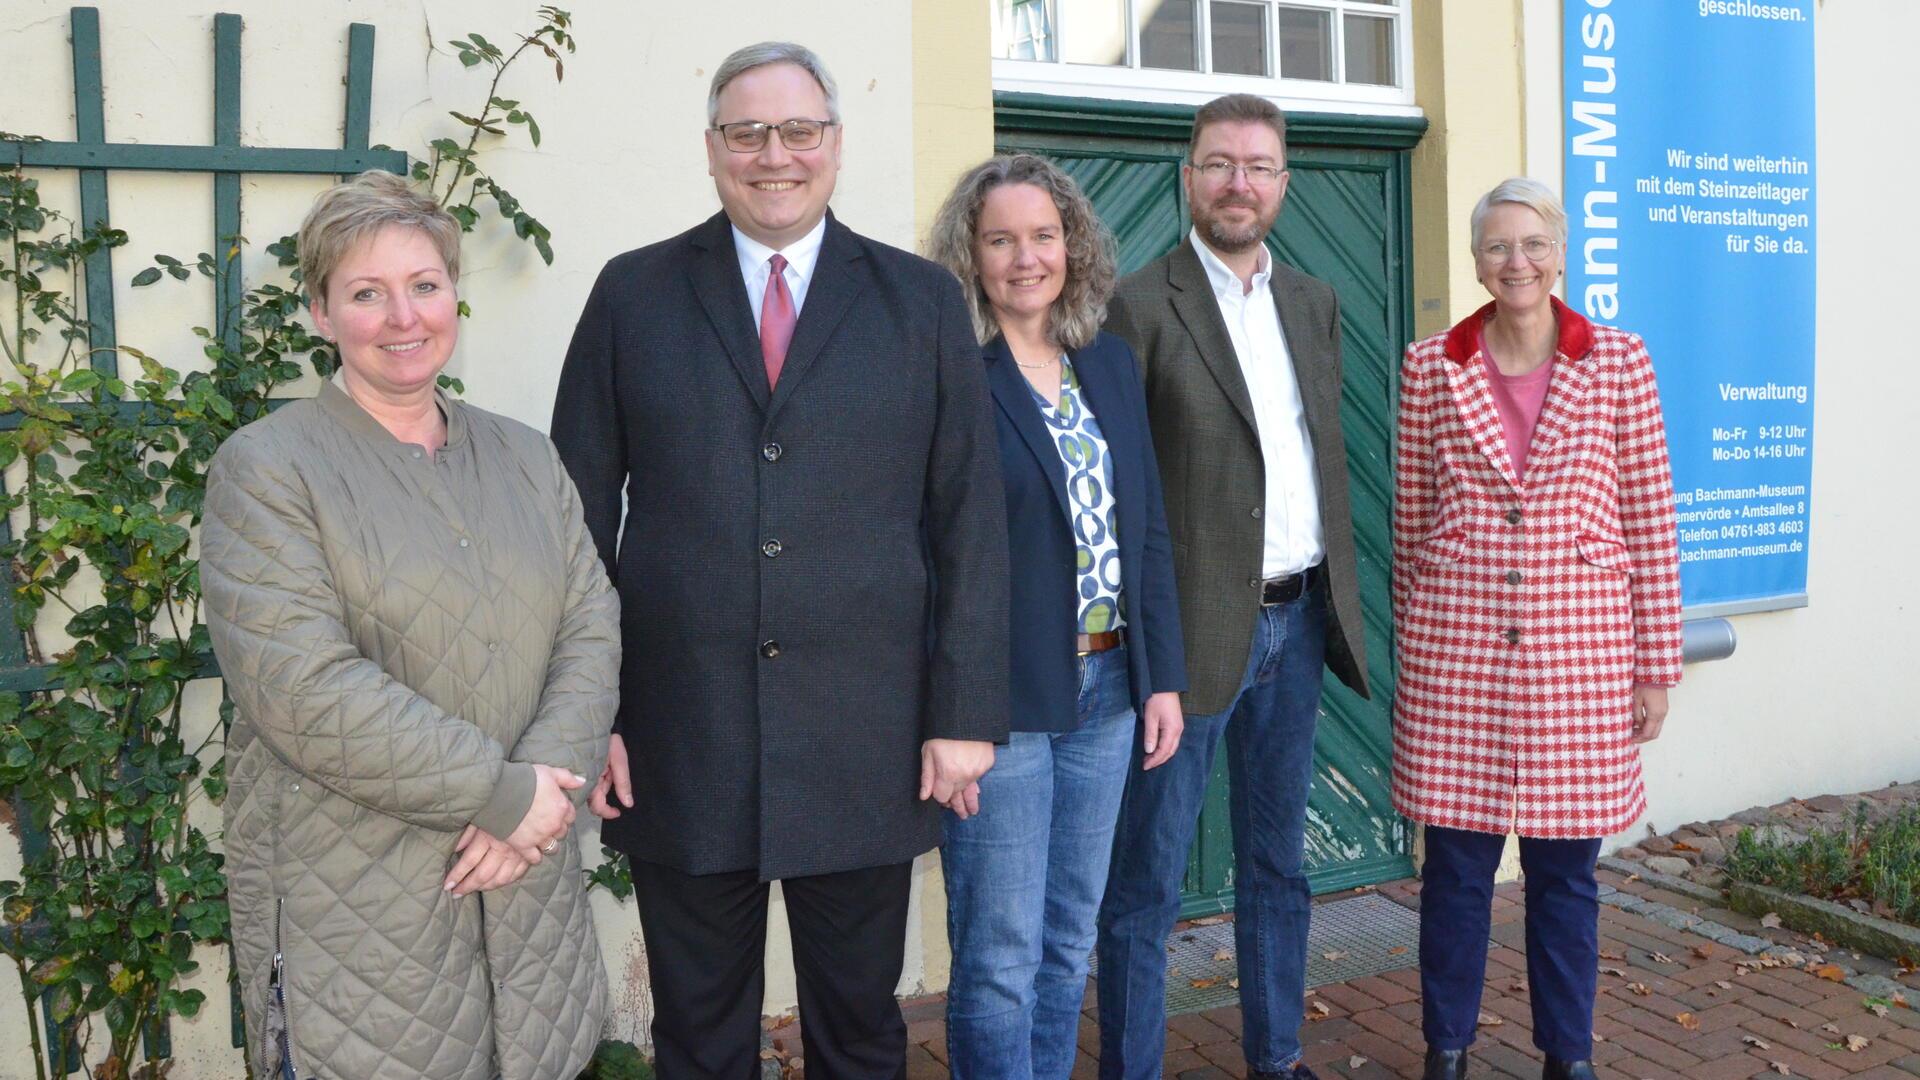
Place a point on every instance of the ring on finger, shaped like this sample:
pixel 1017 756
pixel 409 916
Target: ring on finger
pixel 550 846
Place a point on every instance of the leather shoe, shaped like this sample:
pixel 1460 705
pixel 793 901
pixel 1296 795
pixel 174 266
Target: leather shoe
pixel 1445 1065
pixel 1567 1070
pixel 1298 1072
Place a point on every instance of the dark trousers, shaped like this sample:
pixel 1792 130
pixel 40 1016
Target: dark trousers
pixel 706 940
pixel 1563 937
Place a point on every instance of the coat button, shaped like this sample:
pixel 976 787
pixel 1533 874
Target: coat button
pixel 769 649
pixel 493 646
pixel 771 451
pixel 1513 635
pixel 1513 516
pixel 1513 577
pixel 771 549
pixel 416 455
pixel 1253 583
pixel 463 542
pixel 1254 513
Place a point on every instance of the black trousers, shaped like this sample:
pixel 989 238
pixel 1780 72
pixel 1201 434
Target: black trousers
pixel 706 940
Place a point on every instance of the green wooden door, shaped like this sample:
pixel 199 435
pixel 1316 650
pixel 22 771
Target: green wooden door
pixel 1346 221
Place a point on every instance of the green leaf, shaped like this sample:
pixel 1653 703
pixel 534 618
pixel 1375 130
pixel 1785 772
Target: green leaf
pixel 533 128
pixel 468 59
pixel 146 277
pixel 80 381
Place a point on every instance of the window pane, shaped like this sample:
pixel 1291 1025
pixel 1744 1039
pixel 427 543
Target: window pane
pixel 1306 44
pixel 1094 31
pixel 1022 30
pixel 1167 34
pixel 1239 38
pixel 1369 50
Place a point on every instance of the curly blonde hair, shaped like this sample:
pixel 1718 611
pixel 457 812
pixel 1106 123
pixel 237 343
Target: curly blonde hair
pixel 1082 305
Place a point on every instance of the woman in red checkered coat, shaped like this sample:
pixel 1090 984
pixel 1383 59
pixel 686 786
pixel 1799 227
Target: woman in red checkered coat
pixel 1536 603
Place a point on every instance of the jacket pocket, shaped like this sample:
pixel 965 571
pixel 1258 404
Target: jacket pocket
pixel 1439 550
pixel 1605 554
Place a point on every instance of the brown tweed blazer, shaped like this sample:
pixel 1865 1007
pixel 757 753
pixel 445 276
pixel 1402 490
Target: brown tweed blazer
pixel 1210 464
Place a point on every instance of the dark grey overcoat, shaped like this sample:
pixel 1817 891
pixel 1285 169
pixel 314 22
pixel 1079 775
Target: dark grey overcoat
pixel 1210 464
pixel 814 580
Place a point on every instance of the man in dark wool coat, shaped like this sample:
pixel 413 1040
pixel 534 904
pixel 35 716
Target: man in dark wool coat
pixel 813 573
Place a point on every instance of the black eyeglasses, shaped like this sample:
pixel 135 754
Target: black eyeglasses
pixel 750 136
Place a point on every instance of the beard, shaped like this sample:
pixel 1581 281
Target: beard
pixel 1234 239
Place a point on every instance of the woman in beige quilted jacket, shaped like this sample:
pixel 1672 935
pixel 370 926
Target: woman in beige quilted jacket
pixel 423 653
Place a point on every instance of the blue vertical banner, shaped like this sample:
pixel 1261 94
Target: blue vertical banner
pixel 1690 175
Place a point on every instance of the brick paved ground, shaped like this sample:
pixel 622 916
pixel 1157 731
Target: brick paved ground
pixel 1738 1023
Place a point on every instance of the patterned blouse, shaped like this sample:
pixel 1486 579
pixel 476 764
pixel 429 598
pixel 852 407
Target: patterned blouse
pixel 1083 450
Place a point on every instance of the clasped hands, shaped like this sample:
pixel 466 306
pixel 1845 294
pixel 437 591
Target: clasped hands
pixel 489 862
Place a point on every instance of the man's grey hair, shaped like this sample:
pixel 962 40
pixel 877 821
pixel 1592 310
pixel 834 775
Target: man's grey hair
pixel 745 59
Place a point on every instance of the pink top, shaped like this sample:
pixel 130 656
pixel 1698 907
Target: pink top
pixel 1518 398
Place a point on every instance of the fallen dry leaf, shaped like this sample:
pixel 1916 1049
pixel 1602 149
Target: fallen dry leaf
pixel 1831 972
pixel 1704 952
pixel 1317 1010
pixel 1876 1008
pixel 1333 957
pixel 1857 1043
pixel 1780 1067
pixel 1687 1020
pixel 1517 986
pixel 1723 984
pixel 1682 845
pixel 1356 1061
pixel 1771 920
pixel 1202 984
pixel 1631 878
pixel 1223 954
pixel 1613 954
pixel 1662 958
pixel 1396 950
pixel 1597 1037
pixel 1488 1019
pixel 1756 1042
pixel 1900 1000
pixel 1831 1029
pixel 1210 920
pixel 1608 969
pixel 1639 988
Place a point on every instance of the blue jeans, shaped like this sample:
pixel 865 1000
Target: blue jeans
pixel 1563 937
pixel 1269 735
pixel 1024 877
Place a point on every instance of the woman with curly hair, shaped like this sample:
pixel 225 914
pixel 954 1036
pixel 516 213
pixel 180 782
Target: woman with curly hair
pixel 1095 643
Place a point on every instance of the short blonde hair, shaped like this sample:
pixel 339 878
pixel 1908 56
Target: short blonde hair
pixel 1082 306
pixel 1524 191
pixel 355 210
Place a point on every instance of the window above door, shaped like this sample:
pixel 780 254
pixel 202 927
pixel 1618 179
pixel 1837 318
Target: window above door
pixel 1333 55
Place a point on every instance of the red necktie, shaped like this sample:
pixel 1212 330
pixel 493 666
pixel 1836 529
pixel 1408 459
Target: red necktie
pixel 776 320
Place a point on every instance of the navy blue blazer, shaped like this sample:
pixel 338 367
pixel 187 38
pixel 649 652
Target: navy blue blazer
pixel 1044 587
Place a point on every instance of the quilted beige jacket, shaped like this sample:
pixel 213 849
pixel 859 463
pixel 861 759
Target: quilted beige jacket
pixel 401 635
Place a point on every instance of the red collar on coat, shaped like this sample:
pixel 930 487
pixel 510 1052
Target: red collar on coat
pixel 1576 333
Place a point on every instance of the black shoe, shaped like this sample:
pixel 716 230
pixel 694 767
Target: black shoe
pixel 1445 1065
pixel 1298 1072
pixel 1567 1070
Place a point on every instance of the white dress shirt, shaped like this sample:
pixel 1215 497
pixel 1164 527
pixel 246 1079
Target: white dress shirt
pixel 802 255
pixel 1292 510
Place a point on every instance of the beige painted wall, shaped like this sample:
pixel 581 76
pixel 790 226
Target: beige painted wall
pixel 621 165
pixel 1820 699
pixel 1468 75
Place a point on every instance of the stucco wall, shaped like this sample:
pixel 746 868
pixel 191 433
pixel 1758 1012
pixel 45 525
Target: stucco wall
pixel 1819 699
pixel 621 165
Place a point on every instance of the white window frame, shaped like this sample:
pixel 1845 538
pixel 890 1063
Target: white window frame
pixel 1132 83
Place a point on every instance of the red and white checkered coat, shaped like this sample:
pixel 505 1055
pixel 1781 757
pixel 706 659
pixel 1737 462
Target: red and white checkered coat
pixel 1525 612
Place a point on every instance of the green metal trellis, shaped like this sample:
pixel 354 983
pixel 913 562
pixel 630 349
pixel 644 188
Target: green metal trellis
pixel 94 157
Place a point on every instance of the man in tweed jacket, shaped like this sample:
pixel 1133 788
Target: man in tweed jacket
pixel 813 565
pixel 1241 357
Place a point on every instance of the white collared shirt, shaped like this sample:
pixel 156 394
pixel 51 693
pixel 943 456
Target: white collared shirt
pixel 802 255
pixel 1294 540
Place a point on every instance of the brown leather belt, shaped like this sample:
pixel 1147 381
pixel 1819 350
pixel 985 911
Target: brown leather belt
pixel 1088 644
